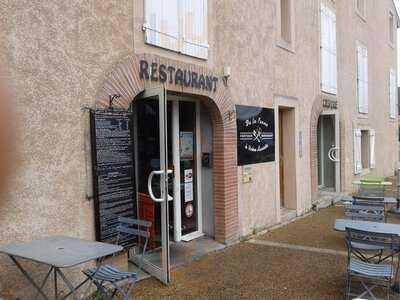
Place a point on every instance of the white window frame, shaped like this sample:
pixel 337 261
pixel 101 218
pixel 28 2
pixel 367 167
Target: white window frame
pixel 328 50
pixel 357 149
pixel 362 78
pixel 392 28
pixel 361 13
pixel 392 94
pixel 281 42
pixel 180 41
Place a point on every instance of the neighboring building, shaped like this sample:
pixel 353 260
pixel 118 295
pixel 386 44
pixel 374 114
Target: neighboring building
pixel 327 69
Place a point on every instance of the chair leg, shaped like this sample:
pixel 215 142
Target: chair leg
pixel 348 288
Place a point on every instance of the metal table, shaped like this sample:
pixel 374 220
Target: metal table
pixel 341 224
pixel 359 182
pixel 58 252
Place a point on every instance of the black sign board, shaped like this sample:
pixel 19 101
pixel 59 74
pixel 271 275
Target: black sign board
pixel 113 171
pixel 255 134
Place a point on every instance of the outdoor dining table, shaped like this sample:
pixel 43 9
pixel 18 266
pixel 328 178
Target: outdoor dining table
pixel 57 252
pixel 341 224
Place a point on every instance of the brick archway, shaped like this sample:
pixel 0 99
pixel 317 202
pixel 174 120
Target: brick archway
pixel 315 113
pixel 124 80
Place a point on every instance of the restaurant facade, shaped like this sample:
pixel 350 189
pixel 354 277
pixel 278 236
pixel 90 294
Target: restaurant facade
pixel 207 118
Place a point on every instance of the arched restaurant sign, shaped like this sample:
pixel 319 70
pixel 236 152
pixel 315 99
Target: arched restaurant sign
pixel 155 71
pixel 256 134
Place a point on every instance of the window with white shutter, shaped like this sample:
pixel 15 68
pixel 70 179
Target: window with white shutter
pixel 362 79
pixel 328 50
pixel 162 23
pixel 357 151
pixel 178 25
pixel 392 94
pixel 372 162
pixel 194 28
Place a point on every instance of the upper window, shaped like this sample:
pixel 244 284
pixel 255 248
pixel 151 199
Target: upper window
pixel 178 25
pixel 392 94
pixel 285 24
pixel 361 8
pixel 328 51
pixel 364 150
pixel 286 32
pixel 392 28
pixel 362 79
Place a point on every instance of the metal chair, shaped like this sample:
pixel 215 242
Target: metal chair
pixel 365 211
pixel 372 187
pixel 371 201
pixel 371 275
pixel 107 278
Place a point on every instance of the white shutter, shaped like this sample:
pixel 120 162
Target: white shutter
pixel 194 28
pixel 357 151
pixel 365 78
pixel 372 161
pixel 334 54
pixel 328 50
pixel 392 94
pixel 162 23
pixel 324 50
pixel 362 79
pixel 359 81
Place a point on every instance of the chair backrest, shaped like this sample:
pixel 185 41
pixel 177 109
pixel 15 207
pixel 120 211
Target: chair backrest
pixel 368 200
pixel 130 229
pixel 371 188
pixel 365 212
pixel 389 242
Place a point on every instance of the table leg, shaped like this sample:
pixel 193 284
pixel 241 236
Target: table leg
pixel 68 283
pixel 55 285
pixel 44 282
pixel 39 290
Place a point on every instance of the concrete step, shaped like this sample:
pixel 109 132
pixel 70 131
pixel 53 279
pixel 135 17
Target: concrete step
pixel 327 199
pixel 287 214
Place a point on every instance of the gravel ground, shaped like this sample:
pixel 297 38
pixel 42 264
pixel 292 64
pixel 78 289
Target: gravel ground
pixel 248 271
pixel 254 271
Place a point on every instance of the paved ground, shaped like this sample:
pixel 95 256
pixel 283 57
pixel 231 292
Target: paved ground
pixel 305 259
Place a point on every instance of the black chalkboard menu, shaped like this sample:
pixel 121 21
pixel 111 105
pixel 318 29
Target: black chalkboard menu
pixel 113 171
pixel 255 134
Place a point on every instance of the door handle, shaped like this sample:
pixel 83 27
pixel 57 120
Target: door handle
pixel 331 154
pixel 149 181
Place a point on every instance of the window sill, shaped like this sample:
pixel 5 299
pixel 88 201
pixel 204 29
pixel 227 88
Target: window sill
pixel 286 45
pixel 362 115
pixel 361 16
pixel 365 171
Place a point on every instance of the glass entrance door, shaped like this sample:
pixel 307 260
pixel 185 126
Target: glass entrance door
pixel 154 177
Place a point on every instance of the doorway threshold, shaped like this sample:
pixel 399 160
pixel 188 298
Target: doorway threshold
pixel 287 214
pixel 191 236
pixel 182 253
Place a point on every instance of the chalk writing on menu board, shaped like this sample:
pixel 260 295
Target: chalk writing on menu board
pixel 255 134
pixel 113 171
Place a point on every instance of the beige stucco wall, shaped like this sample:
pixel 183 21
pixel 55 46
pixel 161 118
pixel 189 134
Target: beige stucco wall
pixel 373 32
pixel 57 54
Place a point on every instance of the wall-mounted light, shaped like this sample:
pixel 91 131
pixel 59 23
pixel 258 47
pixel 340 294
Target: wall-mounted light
pixel 226 74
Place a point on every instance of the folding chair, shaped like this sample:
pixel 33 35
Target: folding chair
pixel 370 275
pixel 372 201
pixel 366 211
pixel 372 187
pixel 109 280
